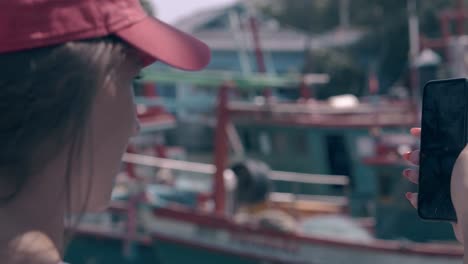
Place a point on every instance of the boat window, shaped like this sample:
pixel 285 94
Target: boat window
pixel 280 142
pixel 247 140
pixel 365 147
pixel 386 184
pixel 264 141
pixel 138 89
pixel 300 143
pixel 339 159
pixel 166 91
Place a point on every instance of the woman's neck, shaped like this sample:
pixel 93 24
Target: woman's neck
pixel 32 225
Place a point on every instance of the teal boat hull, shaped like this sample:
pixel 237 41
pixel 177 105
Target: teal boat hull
pixel 95 250
pixel 173 253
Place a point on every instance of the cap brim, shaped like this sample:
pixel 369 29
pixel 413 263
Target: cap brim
pixel 162 42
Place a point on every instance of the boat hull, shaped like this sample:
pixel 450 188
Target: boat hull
pixel 173 252
pixel 179 253
pixel 179 239
pixel 89 248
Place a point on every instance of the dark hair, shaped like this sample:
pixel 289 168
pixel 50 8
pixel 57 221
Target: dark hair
pixel 253 184
pixel 46 95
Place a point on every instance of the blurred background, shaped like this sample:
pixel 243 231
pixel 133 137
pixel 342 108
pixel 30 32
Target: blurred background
pixel 287 148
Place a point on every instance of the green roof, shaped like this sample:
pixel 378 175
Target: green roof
pixel 217 78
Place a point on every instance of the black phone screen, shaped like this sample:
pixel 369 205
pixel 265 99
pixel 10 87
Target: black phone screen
pixel 443 138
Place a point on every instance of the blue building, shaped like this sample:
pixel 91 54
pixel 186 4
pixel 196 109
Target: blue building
pixel 228 32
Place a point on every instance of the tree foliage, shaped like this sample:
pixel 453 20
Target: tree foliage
pixel 385 47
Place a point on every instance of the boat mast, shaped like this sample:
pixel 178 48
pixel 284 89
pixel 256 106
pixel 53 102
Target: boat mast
pixel 236 29
pixel 221 150
pixel 413 25
pixel 261 67
pixel 344 14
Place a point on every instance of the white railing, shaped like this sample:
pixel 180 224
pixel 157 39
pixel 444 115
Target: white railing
pixel 209 169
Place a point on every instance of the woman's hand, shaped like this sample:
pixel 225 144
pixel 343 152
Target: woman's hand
pixel 413 176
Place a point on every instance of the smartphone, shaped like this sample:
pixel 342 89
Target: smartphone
pixel 443 138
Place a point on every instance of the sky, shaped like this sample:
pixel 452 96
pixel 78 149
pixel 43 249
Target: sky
pixel 172 10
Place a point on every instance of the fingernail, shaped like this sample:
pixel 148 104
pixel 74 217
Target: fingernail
pixel 406 173
pixel 407 155
pixel 409 195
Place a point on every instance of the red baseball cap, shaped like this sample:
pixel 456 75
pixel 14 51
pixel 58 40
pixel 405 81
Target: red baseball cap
pixel 27 24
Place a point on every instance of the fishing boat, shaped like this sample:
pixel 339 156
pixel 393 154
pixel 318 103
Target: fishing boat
pixel 339 219
pixel 337 194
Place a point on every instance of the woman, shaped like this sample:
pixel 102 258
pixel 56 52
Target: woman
pixel 459 190
pixel 66 110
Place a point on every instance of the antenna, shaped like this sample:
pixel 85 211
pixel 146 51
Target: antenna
pixel 344 14
pixel 413 25
pixel 235 25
